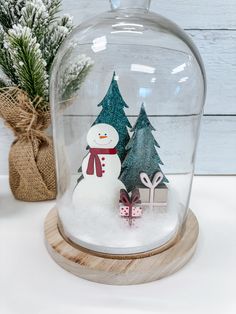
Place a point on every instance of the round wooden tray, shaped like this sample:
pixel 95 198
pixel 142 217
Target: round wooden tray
pixel 121 269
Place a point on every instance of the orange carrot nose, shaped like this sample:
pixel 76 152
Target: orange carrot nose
pixel 102 136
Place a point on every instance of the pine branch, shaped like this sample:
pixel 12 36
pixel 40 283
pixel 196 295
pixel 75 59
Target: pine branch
pixel 10 12
pixel 5 59
pixel 74 76
pixel 53 8
pixel 49 29
pixel 28 62
pixel 31 32
pixel 6 65
pixel 36 17
pixel 54 38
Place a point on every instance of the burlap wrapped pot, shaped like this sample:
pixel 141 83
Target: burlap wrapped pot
pixel 31 159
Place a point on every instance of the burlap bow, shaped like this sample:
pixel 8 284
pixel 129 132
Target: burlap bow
pixel 31 157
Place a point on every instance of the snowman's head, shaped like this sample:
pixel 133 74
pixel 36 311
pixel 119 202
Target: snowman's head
pixel 102 136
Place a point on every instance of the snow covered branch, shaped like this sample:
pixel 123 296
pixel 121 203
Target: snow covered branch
pixel 31 32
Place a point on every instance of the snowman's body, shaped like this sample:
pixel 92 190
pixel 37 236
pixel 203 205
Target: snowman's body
pixel 111 166
pixel 100 188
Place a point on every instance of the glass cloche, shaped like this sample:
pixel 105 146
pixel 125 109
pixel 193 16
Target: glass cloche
pixel 125 129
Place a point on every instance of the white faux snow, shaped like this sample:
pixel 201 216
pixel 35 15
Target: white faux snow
pixel 102 229
pixel 96 193
pixel 99 227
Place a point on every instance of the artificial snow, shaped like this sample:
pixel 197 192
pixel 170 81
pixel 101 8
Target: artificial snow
pixel 99 227
pixel 102 229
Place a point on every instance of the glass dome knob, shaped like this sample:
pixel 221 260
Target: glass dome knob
pixel 130 4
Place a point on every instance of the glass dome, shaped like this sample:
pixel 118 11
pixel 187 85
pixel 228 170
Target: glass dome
pixel 127 95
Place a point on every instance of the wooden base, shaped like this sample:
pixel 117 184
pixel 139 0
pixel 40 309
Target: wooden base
pixel 121 270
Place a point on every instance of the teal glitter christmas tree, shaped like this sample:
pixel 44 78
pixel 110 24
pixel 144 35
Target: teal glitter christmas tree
pixel 113 113
pixel 141 155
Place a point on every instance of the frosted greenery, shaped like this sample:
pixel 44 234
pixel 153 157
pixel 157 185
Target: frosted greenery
pixel 31 32
pixel 74 76
pixel 29 65
pixel 10 12
pixel 142 155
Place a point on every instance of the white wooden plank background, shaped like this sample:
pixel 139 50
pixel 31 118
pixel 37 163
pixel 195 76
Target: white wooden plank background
pixel 190 14
pixel 217 146
pixel 218 50
pixel 212 25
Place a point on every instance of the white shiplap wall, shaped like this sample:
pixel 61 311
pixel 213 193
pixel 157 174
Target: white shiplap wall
pixel 212 26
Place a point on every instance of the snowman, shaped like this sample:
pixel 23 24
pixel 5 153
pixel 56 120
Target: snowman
pixel 100 188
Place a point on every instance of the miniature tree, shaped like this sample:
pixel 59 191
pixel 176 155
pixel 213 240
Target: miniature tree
pixel 113 113
pixel 141 155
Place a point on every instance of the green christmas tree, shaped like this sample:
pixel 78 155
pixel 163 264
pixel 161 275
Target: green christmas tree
pixel 141 155
pixel 113 113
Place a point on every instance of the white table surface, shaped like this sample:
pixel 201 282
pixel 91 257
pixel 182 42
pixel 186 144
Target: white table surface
pixel 32 283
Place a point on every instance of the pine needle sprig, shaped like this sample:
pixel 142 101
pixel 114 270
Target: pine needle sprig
pixel 53 9
pixel 6 65
pixel 35 16
pixel 5 59
pixel 10 12
pixel 28 62
pixel 54 38
pixel 74 76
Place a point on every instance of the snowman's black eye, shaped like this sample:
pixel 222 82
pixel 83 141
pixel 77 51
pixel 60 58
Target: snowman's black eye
pixel 99 134
pixel 105 134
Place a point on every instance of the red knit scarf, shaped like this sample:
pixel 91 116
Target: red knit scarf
pixel 94 159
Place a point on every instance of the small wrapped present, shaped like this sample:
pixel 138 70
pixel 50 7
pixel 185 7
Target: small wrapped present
pixel 130 207
pixel 152 193
pixel 125 211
